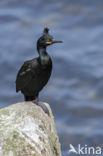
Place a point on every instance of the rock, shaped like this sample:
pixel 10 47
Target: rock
pixel 26 130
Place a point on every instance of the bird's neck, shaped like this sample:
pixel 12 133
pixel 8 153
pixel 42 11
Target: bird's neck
pixel 44 57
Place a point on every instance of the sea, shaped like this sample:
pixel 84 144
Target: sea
pixel 75 89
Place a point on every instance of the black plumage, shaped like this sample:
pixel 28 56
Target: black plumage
pixel 34 74
pixel 32 77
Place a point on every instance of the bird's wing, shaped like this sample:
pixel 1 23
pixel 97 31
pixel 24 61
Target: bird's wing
pixel 24 76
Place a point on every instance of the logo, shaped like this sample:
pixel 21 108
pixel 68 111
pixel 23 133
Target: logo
pixel 85 150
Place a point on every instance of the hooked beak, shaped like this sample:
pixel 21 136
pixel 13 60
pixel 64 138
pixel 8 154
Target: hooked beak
pixel 53 41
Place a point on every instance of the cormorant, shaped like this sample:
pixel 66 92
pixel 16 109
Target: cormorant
pixel 34 74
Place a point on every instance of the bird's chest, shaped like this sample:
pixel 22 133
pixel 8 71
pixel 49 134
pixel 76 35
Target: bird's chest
pixel 45 72
pixel 42 73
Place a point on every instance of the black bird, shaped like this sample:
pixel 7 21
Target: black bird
pixel 34 74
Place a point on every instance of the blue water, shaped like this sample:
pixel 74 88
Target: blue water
pixel 75 90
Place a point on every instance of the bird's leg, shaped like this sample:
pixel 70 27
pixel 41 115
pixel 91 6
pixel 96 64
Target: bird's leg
pixel 41 104
pixel 36 100
pixel 44 107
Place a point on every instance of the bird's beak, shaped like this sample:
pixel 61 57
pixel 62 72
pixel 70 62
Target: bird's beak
pixel 52 42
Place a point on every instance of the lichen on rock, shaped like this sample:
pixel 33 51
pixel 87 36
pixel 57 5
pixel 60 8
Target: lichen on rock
pixel 26 130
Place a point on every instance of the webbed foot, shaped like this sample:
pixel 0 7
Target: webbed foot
pixel 42 105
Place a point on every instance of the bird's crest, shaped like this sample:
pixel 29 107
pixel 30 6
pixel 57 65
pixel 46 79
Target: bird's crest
pixel 46 30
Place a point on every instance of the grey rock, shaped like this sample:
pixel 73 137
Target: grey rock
pixel 26 130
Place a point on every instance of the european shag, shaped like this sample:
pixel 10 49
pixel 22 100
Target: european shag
pixel 34 74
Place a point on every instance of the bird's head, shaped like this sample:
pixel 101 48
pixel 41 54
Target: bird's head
pixel 46 39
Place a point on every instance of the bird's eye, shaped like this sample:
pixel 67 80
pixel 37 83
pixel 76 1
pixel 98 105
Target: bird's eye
pixel 41 39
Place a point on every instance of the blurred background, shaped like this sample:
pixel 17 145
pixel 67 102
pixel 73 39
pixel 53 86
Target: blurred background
pixel 75 90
